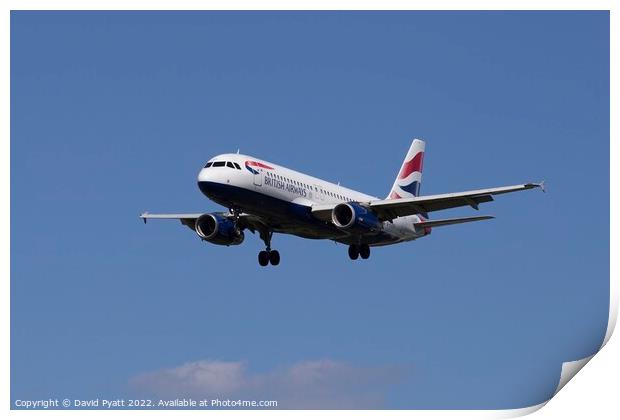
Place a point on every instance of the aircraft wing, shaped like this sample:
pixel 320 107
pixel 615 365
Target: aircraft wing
pixel 189 219
pixel 392 208
pixel 145 216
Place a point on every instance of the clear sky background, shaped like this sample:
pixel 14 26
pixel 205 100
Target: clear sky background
pixel 115 113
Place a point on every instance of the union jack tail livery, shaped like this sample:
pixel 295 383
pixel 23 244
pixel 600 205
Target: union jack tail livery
pixel 409 178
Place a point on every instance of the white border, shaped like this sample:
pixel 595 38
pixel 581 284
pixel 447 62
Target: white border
pixel 595 392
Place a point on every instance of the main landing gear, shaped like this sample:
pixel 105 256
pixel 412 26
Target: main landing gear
pixel 362 250
pixel 268 255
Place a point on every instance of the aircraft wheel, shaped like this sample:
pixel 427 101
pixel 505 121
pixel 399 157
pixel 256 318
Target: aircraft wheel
pixel 263 258
pixel 274 257
pixel 353 252
pixel 364 251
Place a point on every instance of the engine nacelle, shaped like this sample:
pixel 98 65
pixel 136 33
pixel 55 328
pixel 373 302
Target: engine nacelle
pixel 353 217
pixel 218 230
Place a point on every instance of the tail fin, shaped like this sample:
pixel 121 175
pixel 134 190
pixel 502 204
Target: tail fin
pixel 409 178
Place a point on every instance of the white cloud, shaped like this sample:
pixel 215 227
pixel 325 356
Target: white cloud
pixel 321 384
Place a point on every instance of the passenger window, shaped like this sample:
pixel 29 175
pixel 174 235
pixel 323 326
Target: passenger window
pixel 208 165
pixel 218 164
pixel 237 165
pixel 230 165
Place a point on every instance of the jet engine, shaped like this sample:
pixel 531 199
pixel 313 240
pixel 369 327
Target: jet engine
pixel 218 229
pixel 353 217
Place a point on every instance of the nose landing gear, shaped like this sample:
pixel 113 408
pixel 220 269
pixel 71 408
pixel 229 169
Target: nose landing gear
pixel 268 255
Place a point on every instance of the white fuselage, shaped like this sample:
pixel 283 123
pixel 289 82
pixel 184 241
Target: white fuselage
pixel 270 190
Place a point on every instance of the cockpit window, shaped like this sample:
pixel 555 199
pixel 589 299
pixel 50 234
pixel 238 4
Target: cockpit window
pixel 230 165
pixel 208 165
pixel 218 164
pixel 237 165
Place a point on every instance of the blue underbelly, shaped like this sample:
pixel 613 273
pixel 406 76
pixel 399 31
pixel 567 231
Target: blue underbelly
pixel 281 215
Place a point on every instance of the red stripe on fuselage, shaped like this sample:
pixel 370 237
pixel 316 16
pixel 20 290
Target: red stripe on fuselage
pixel 255 163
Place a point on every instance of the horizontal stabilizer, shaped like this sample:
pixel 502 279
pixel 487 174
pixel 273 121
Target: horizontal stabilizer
pixel 445 222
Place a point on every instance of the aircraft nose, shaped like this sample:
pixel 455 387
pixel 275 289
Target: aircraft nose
pixel 205 181
pixel 203 175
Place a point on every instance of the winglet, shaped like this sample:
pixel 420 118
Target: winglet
pixel 143 216
pixel 540 185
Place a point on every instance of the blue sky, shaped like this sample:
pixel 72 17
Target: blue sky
pixel 114 113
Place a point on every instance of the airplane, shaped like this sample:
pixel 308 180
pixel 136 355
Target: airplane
pixel 267 198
